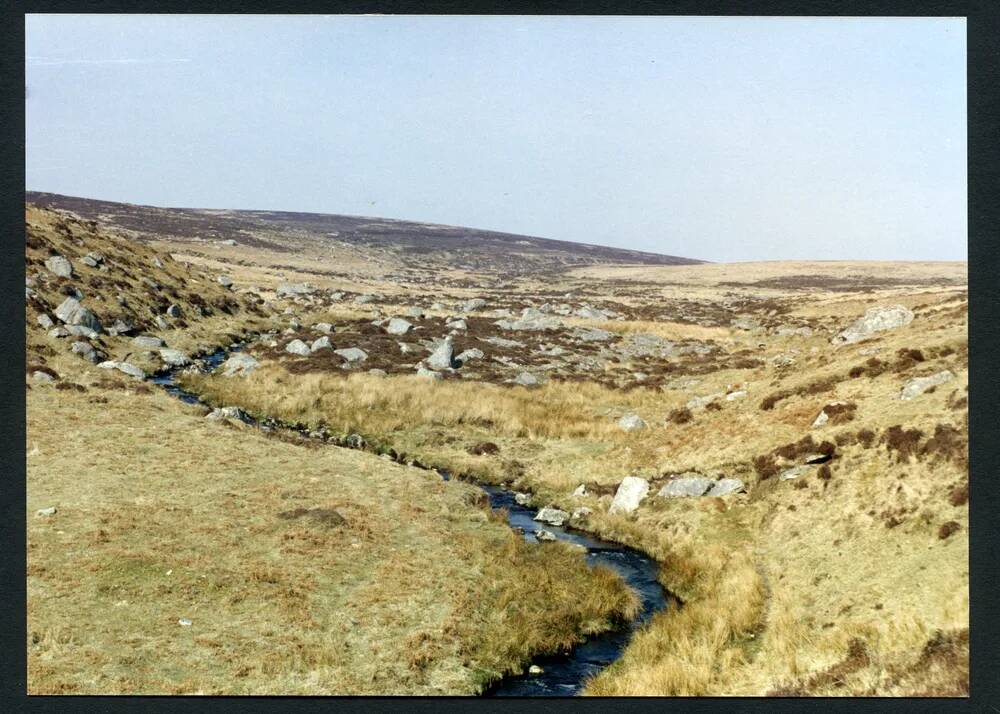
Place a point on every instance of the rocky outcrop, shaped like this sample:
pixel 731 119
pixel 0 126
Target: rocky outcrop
pixel 876 319
pixel 917 386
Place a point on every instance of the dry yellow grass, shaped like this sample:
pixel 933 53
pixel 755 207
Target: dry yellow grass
pixel 163 516
pixel 798 587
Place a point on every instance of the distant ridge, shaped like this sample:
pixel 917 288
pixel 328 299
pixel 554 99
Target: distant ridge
pixel 467 247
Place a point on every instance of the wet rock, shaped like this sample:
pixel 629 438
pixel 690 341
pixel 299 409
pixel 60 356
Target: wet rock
pixel 686 486
pixel 917 386
pixel 227 413
pixel 147 342
pixel 876 319
pixel 552 516
pixel 59 266
pixel 125 367
pixel 398 326
pixel 297 347
pixel 239 365
pixel 631 422
pixel 85 350
pixel 442 356
pixel 629 495
pixel 174 358
pixel 322 343
pixel 726 486
pixel 352 354
pixel 71 312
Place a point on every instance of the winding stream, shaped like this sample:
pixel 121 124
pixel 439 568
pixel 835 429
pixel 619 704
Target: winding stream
pixel 562 674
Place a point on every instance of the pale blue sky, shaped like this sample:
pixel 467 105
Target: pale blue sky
pixel 715 138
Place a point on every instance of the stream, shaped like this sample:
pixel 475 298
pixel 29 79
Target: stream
pixel 562 674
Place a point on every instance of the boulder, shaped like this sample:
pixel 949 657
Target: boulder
pixel 81 331
pixel 120 327
pixel 457 325
pixel 544 536
pixel 702 402
pixel 527 379
pixel 631 422
pixel 552 516
pixel 429 373
pixel 58 265
pixel 147 342
pixel 58 332
pixel 352 354
pixel 415 312
pixel 42 377
pixel 298 347
pixel 323 327
pixel 50 511
pixel 442 356
pixel 726 486
pixel 469 354
pixel 876 319
pixel 685 486
pixel 472 305
pixel 174 358
pixel 323 343
pixel 917 386
pixel 629 495
pixel 398 326
pixel 239 365
pixel 71 312
pixel 226 413
pixel 522 499
pixel 125 367
pixel 85 350
pixel 45 321
pixel 293 289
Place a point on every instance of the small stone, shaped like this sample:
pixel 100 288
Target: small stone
pixel 323 327
pixel 45 321
pixel 147 341
pixel 225 281
pixel 85 350
pixel 398 326
pixel 544 535
pixel 522 499
pixel 50 511
pixel 527 379
pixel 535 669
pixel 917 386
pixel 41 377
pixel 184 622
pixel 580 491
pixel 352 354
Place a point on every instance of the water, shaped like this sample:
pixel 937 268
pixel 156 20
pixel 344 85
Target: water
pixel 563 674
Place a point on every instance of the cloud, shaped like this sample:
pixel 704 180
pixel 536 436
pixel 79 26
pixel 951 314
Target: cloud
pixel 50 62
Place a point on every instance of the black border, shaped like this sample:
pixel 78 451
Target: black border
pixel 983 26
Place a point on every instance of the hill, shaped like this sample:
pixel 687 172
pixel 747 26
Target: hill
pixel 469 248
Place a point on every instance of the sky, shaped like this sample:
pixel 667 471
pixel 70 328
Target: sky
pixel 724 139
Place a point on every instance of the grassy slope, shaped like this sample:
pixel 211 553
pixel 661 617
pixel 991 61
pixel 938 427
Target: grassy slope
pixel 826 586
pixel 163 515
